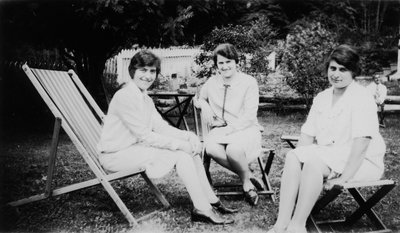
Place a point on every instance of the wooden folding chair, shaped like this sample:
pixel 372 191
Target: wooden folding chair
pixel 365 205
pixel 226 189
pixel 381 115
pixel 78 114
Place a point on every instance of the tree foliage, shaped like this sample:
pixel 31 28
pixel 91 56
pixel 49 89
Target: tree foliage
pixel 303 55
pixel 253 40
pixel 87 33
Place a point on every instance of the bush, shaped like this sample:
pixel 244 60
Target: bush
pixel 302 59
pixel 254 43
pixel 372 61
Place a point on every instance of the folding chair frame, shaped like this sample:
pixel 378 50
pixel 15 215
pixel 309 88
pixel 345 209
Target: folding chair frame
pixel 265 168
pixel 101 176
pixel 381 114
pixel 365 205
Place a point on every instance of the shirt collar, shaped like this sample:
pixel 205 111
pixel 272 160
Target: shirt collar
pixel 234 81
pixel 346 95
pixel 135 89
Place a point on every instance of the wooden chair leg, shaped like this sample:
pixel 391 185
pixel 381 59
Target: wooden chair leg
pixel 312 225
pixel 326 199
pixel 207 163
pixel 265 172
pixel 366 205
pixel 236 189
pixel 117 200
pixel 52 157
pixel 155 190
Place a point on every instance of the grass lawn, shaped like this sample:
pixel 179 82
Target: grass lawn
pixel 23 159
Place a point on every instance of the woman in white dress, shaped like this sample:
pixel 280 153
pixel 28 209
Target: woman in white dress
pixel 134 135
pixel 339 142
pixel 229 101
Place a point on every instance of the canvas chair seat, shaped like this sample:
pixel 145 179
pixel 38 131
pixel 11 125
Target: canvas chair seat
pixel 222 188
pixel 78 114
pixel 353 188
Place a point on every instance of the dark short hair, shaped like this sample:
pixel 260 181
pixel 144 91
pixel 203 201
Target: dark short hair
pixel 226 50
pixel 346 56
pixel 144 58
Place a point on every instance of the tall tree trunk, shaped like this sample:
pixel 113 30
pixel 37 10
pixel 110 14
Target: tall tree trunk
pixel 382 14
pixel 377 18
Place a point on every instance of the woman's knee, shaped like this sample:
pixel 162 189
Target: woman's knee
pixel 316 165
pixel 291 157
pixel 233 150
pixel 184 157
pixel 213 148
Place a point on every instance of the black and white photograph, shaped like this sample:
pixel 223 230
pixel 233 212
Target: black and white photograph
pixel 217 116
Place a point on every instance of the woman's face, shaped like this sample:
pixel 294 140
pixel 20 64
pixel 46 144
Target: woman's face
pixel 226 67
pixel 338 75
pixel 144 77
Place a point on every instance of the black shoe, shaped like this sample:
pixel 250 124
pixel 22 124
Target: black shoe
pixel 251 197
pixel 209 217
pixel 256 182
pixel 223 209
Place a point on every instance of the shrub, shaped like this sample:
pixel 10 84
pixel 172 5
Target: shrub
pixel 302 58
pixel 253 41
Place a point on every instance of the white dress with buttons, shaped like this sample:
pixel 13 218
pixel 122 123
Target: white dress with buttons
pixel 334 128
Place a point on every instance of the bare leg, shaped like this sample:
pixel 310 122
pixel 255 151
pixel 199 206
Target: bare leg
pixel 312 177
pixel 237 159
pixel 218 153
pixel 232 158
pixel 290 183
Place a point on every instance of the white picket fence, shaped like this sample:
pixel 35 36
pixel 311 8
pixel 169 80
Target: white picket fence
pixel 173 61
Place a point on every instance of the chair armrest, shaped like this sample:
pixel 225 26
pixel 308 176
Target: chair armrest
pixel 291 138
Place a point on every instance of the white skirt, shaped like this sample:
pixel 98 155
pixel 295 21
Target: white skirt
pixel 157 162
pixel 249 139
pixel 335 157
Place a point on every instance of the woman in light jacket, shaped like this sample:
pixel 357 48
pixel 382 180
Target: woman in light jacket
pixel 134 135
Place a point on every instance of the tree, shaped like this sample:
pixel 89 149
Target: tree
pixel 87 33
pixel 303 55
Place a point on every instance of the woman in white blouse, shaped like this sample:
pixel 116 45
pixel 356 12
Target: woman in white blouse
pixel 339 142
pixel 229 101
pixel 135 135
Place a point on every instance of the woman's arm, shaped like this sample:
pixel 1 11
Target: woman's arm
pixel 357 155
pixel 364 125
pixel 190 141
pixel 201 101
pixel 129 109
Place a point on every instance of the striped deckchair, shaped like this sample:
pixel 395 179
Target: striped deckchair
pixel 78 114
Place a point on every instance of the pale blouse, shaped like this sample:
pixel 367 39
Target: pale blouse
pixel 353 115
pixel 241 101
pixel 133 119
